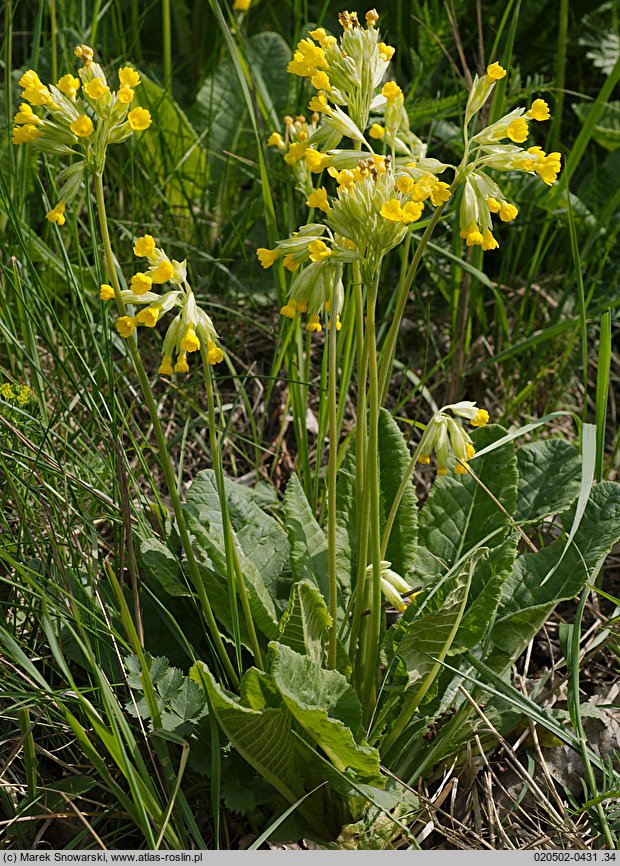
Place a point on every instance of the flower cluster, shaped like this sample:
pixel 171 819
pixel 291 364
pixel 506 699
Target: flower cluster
pixel 497 147
pixel 296 151
pixel 191 328
pixel 18 395
pixel 78 116
pixel 445 431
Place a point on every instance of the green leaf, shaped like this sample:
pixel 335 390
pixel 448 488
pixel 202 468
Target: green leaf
pixel 433 635
pixel 305 623
pixel 172 148
pixel 459 514
pixel 328 709
pixel 181 703
pixel 345 514
pixel 606 131
pixel 538 583
pixel 307 541
pixel 549 478
pixel 394 458
pixel 263 737
pixel 260 536
pixel 163 568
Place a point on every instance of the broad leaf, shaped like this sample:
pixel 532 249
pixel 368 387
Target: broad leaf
pixel 394 458
pixel 328 709
pixel 163 568
pixel 459 514
pixel 260 536
pixel 263 737
pixel 549 476
pixel 306 621
pixel 534 588
pixel 307 541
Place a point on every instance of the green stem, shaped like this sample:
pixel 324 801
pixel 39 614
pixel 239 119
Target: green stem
pixel 389 348
pixel 166 43
pixel 372 483
pixel 332 469
pixel 53 41
pixel 361 507
pixel 162 445
pixel 233 566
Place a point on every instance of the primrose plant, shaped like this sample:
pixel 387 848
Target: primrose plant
pixel 330 651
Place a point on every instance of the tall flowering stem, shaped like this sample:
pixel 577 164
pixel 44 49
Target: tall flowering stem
pixel 162 445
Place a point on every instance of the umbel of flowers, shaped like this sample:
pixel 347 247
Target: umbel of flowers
pixel 190 329
pixel 373 199
pixel 78 117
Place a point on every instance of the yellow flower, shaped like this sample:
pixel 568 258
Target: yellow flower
pixel 267 257
pixel 85 54
pixel 148 316
pixel 313 325
pixel 391 90
pixel 181 365
pixel 321 81
pixel 241 5
pixel 289 263
pixel 96 88
pixel 412 211
pixel 141 283
pixel 39 96
pixel 275 140
pixel 30 80
pixel 473 236
pixel 288 310
pixel 125 326
pixel 319 103
pixel 106 292
pixel 69 85
pixel 82 127
pixel 25 134
pixel 493 204
pixel 488 242
pixel 162 273
pixel 377 131
pixel 144 246
pixel 517 131
pixel 125 95
pixel 440 193
pixel 548 167
pixel 539 110
pixel 372 16
pixel 26 115
pixel 405 184
pixel 165 368
pixel 386 52
pixel 57 214
pixel 128 76
pixel 295 152
pixel 214 353
pixel 315 160
pixel 190 342
pixel 481 419
pixel 424 459
pixel 319 199
pixel 470 450
pixel 392 210
pixel 139 119
pixel 495 71
pixel 318 250
pixel 322 37
pixel 507 212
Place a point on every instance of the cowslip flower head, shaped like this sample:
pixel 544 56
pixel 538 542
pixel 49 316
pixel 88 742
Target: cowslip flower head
pixel 445 433
pixel 190 330
pixel 79 114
